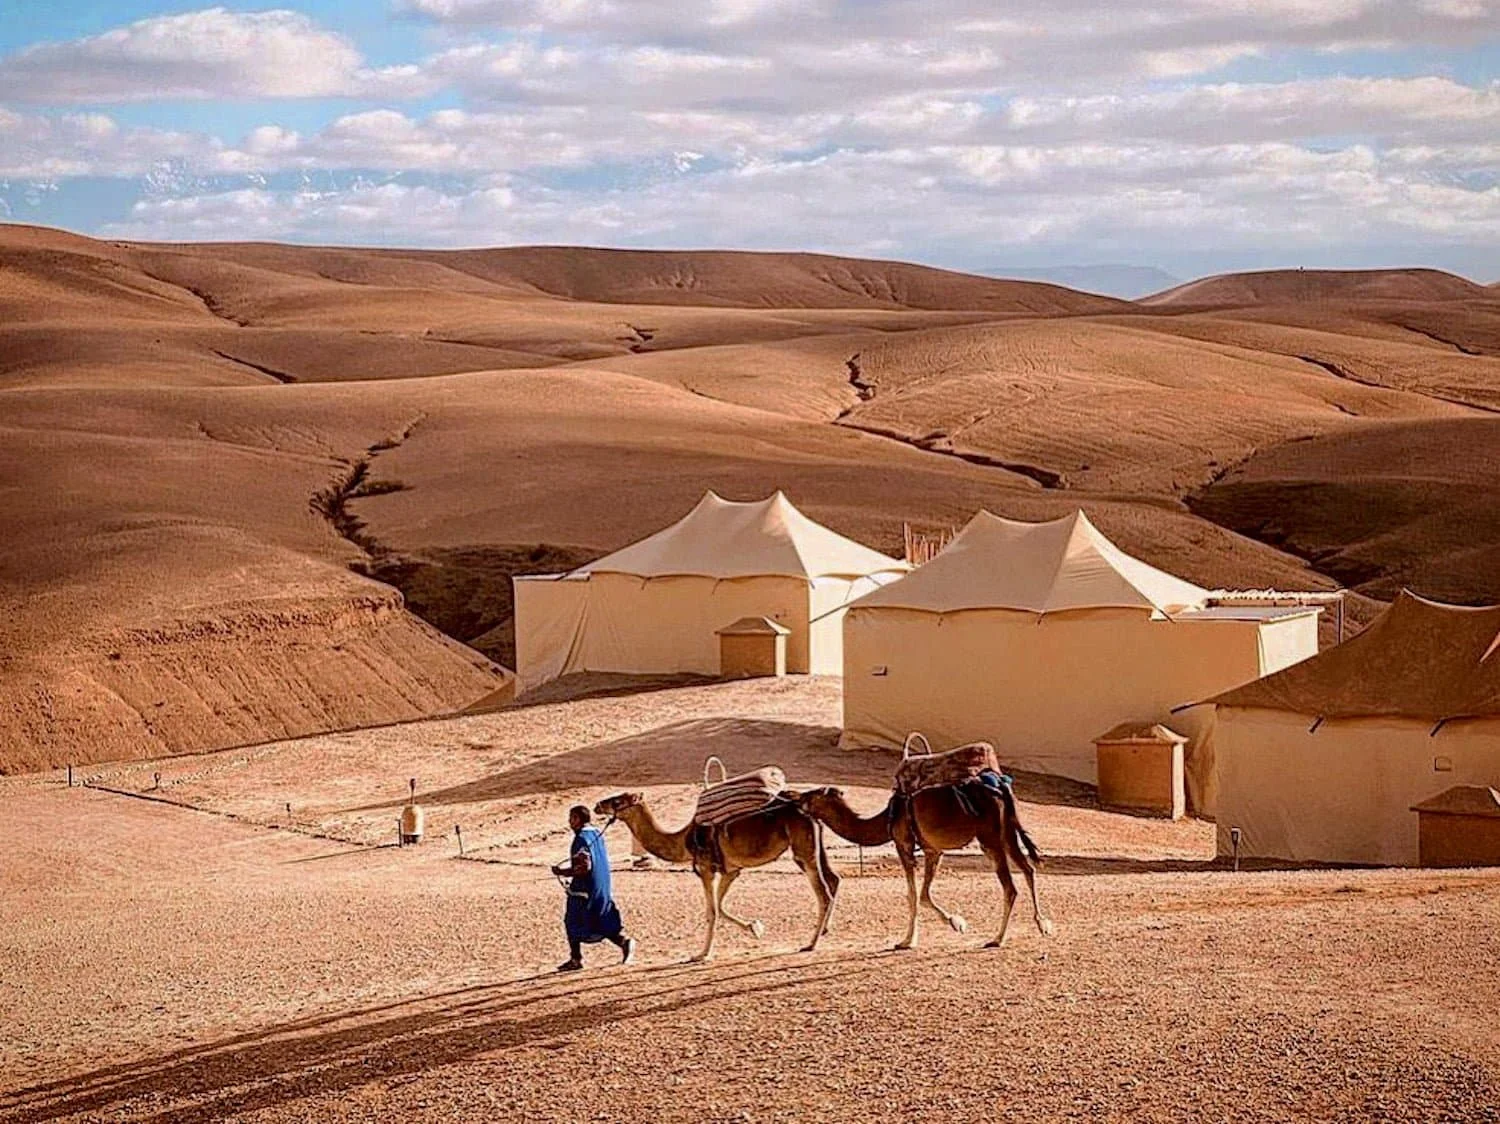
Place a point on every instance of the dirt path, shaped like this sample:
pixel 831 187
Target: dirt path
pixel 167 964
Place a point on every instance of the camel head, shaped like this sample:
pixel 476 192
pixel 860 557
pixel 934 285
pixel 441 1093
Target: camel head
pixel 618 804
pixel 811 799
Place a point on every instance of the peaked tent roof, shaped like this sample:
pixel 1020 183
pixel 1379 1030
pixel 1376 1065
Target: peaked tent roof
pixel 722 538
pixel 1051 567
pixel 1418 659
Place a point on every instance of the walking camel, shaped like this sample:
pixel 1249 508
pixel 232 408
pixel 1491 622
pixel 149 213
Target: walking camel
pixel 946 820
pixel 754 840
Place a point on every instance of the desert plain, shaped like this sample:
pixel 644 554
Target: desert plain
pixel 180 947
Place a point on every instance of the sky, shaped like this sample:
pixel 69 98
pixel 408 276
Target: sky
pixel 1194 136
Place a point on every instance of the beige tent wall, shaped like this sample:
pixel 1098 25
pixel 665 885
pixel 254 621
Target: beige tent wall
pixel 826 627
pixel 1040 688
pixel 551 615
pixel 627 624
pixel 1287 641
pixel 827 598
pixel 1282 643
pixel 1342 792
pixel 655 606
pixel 667 625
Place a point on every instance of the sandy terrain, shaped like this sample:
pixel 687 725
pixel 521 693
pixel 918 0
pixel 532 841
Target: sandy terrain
pixel 173 963
pixel 209 451
pixel 1414 504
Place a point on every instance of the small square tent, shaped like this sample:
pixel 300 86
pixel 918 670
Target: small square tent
pixel 1036 636
pixel 1323 761
pixel 655 607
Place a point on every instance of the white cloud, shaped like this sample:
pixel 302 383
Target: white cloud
pixel 1047 38
pixel 1429 108
pixel 1415 115
pixel 864 126
pixel 92 144
pixel 1428 126
pixel 947 202
pixel 214 53
pixel 644 19
pixel 361 214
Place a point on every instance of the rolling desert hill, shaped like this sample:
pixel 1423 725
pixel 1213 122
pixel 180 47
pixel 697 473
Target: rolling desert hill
pixel 1405 505
pixel 1300 286
pixel 230 472
pixel 701 278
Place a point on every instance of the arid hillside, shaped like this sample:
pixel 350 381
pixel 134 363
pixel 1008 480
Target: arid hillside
pixel 231 471
pixel 1292 286
pixel 1414 504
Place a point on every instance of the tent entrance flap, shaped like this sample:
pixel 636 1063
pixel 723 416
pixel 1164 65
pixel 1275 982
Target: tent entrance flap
pixel 551 621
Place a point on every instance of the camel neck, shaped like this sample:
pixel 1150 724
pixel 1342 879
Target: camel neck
pixel 867 831
pixel 669 846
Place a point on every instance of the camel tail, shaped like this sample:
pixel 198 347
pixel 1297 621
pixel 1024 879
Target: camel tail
pixel 1024 837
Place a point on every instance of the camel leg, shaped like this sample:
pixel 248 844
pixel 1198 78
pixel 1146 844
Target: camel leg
pixel 1044 923
pixel 1028 869
pixel 711 906
pixel 1008 884
pixel 807 862
pixel 932 860
pixel 755 928
pixel 831 880
pixel 909 866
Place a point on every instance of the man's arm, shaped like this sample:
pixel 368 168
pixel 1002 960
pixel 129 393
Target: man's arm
pixel 579 865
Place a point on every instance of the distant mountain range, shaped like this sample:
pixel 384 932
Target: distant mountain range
pixel 1128 281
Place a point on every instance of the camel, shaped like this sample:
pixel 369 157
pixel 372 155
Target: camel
pixel 753 840
pixel 945 822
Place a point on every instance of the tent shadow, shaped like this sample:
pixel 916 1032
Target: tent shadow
pixel 604 685
pixel 1042 788
pixel 668 755
pixel 282 1064
pixel 674 754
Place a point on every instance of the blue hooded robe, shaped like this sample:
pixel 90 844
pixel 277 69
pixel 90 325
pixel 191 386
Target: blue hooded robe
pixel 591 915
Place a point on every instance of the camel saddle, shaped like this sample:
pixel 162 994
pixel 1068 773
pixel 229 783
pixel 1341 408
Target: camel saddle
pixel 743 795
pixel 941 770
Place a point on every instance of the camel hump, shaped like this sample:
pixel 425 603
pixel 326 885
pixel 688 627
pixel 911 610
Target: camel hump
pixel 739 796
pixel 940 770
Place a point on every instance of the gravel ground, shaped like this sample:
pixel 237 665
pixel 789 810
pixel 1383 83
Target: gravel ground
pixel 170 964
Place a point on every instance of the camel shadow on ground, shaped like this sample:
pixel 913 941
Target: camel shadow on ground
pixel 315 1057
pixel 1088 865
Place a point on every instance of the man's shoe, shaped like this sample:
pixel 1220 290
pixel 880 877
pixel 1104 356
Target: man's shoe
pixel 627 951
pixel 570 966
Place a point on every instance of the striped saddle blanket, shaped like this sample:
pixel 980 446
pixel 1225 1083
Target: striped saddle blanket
pixel 936 770
pixel 739 796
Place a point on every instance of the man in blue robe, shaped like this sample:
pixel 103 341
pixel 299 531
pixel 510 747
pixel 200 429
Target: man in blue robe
pixel 591 915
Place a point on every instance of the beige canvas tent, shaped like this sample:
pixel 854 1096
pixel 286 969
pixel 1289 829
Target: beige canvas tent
pixel 1040 637
pixel 656 606
pixel 1324 761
